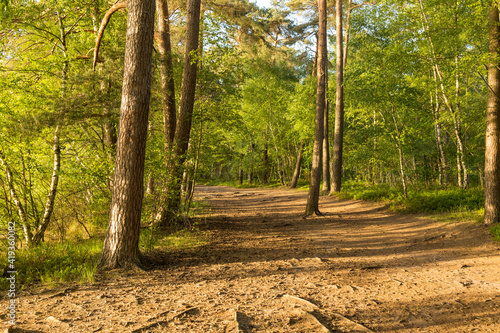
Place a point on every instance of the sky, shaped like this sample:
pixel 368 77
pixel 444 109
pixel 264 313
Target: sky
pixel 263 3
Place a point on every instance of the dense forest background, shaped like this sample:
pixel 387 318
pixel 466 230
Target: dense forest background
pixel 415 85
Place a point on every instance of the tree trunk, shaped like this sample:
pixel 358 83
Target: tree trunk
pixel 51 197
pixel 265 161
pixel 443 164
pixel 167 94
pixel 186 106
pixel 326 141
pixel 121 245
pixel 166 75
pixel 492 156
pixel 312 206
pixel 296 173
pixel 240 170
pixel 347 31
pixel 338 140
pixel 192 182
pixel 400 151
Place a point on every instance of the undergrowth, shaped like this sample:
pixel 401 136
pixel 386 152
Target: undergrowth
pixel 52 263
pixel 418 200
pixel 186 238
pixel 495 232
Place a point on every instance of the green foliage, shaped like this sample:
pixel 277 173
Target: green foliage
pixel 418 201
pixel 361 191
pixel 495 232
pixel 56 263
pixel 184 239
pixel 444 201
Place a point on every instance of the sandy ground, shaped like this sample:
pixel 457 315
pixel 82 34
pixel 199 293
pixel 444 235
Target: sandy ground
pixel 360 268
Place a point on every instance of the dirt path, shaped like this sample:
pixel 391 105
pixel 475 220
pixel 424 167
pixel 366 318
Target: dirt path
pixel 359 268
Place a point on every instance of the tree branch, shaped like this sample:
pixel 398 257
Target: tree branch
pixel 104 23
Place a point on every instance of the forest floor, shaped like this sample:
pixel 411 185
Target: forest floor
pixel 265 268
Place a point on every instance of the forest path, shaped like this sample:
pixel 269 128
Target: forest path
pixel 359 268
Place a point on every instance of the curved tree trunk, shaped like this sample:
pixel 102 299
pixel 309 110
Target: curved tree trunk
pixel 121 245
pixel 312 206
pixel 492 156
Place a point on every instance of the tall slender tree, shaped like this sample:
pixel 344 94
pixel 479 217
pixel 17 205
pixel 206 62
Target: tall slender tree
pixel 492 159
pixel 312 206
pixel 186 107
pixel 338 140
pixel 166 73
pixel 121 245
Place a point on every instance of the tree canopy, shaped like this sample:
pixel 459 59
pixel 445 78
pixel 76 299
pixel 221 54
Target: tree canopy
pixel 415 82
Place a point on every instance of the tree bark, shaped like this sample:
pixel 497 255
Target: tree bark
pixel 296 173
pixel 400 152
pixel 326 141
pixel 443 164
pixel 339 108
pixel 167 98
pixel 312 206
pixel 51 197
pixel 492 156
pixel 166 75
pixel 186 106
pixel 240 171
pixel 121 245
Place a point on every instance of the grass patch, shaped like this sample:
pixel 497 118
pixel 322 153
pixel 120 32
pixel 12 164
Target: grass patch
pixel 495 232
pixel 188 238
pixel 361 191
pixel 183 239
pixel 456 201
pixel 460 215
pixel 56 263
pixel 443 201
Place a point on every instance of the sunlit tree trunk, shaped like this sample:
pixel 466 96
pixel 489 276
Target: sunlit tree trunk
pixel 338 140
pixel 442 162
pixel 166 74
pixel 240 170
pixel 186 106
pixel 400 152
pixel 167 97
pixel 492 156
pixel 296 172
pixel 326 141
pixel 121 245
pixel 312 206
